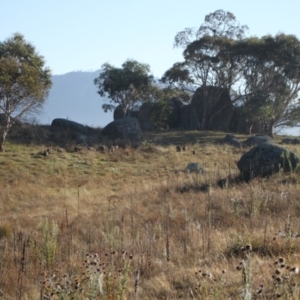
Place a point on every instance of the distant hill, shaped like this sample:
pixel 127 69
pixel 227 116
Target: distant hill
pixel 74 96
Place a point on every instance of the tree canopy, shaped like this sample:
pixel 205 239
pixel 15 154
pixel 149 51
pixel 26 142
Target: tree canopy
pixel 262 74
pixel 126 86
pixel 271 79
pixel 24 81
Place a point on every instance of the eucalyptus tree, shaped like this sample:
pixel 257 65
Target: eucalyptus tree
pixel 207 61
pixel 126 86
pixel 24 82
pixel 271 79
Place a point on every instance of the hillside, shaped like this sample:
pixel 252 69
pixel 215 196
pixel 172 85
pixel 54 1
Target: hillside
pixel 133 224
pixel 74 96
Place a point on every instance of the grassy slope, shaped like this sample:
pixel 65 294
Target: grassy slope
pixel 141 201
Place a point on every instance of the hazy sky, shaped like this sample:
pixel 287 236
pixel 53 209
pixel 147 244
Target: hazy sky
pixel 76 35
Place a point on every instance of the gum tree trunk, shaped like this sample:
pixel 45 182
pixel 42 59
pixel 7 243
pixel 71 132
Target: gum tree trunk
pixel 2 139
pixel 3 132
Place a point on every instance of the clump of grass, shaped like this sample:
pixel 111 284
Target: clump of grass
pixel 46 247
pixel 5 231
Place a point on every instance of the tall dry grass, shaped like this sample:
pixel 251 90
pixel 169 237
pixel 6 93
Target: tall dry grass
pixel 133 224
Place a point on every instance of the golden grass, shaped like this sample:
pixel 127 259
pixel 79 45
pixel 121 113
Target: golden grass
pixel 56 209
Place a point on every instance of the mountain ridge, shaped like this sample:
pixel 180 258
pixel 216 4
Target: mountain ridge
pixel 74 96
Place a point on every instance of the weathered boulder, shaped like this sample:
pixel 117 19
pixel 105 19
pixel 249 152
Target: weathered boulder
pixel 176 108
pixel 257 140
pixel 231 140
pixel 119 113
pixel 194 168
pixel 125 128
pixel 69 125
pixel 145 116
pixel 294 141
pixel 211 109
pixel 85 139
pixel 266 159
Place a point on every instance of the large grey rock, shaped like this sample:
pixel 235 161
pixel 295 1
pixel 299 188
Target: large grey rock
pixel 194 168
pixel 69 125
pixel 124 128
pixel 218 106
pixel 119 113
pixel 176 108
pixel 257 140
pixel 144 116
pixel 266 159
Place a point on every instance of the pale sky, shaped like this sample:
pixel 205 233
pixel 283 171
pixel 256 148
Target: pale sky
pixel 81 35
pixel 76 35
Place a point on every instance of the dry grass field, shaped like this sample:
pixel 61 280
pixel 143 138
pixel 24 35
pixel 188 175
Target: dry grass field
pixel 133 224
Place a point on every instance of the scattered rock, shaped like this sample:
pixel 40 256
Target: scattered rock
pixel 67 124
pixel 231 140
pixel 49 150
pixel 77 149
pixel 194 168
pixel 291 141
pixel 102 148
pixel 266 159
pixel 112 149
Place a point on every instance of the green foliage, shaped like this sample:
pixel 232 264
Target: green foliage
pixel 271 79
pixel 160 115
pixel 45 248
pixel 125 86
pixel 4 231
pixel 24 81
pixel 262 74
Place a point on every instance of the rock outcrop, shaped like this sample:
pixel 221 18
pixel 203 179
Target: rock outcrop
pixel 69 125
pixel 124 128
pixel 144 117
pixel 118 113
pixel 211 109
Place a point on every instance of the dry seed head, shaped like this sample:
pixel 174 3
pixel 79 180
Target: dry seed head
pixel 294 270
pixel 281 260
pixel 260 289
pixel 248 247
pixel 240 266
pixel 279 279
